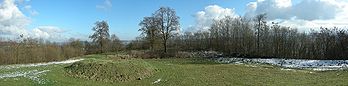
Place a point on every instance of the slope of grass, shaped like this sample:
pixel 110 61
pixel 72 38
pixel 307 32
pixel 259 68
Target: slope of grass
pixel 190 72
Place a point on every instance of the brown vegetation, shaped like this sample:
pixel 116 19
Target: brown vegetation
pixel 255 38
pixel 111 69
pixel 33 51
pixel 236 35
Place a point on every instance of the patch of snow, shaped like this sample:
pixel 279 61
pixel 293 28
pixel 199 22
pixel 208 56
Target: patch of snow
pixel 32 75
pixel 286 69
pixel 39 64
pixel 157 81
pixel 317 65
pixel 324 69
pixel 251 65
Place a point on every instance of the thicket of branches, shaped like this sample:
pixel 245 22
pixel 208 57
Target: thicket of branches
pixel 102 42
pixel 158 29
pixel 256 38
pixel 252 38
pixel 33 50
pixel 29 50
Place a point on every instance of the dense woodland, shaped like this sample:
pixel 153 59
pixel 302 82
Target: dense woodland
pixel 237 36
pixel 240 36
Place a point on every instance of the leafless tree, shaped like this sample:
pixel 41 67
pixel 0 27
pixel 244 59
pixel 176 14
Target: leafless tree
pixel 150 29
pixel 259 26
pixel 168 23
pixel 101 35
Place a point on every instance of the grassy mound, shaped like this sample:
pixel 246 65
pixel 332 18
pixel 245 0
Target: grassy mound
pixel 111 70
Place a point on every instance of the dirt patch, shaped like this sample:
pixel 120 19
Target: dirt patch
pixel 111 70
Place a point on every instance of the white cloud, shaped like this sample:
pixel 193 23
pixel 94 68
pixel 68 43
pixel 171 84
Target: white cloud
pixel 12 20
pixel 212 12
pixel 50 29
pixel 29 9
pixel 14 23
pixel 49 33
pixel 252 5
pixel 26 7
pixel 313 10
pixel 304 15
pixel 273 8
pixel 105 5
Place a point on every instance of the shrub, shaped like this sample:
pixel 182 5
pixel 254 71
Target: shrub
pixel 184 55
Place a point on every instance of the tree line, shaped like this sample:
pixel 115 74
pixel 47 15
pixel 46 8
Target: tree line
pixel 253 37
pixel 237 36
pixel 29 50
pixel 256 38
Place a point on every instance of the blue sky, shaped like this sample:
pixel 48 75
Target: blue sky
pixel 58 20
pixel 78 16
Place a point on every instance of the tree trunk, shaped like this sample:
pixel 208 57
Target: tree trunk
pixel 165 46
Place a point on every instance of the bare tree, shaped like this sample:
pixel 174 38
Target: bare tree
pixel 168 22
pixel 101 35
pixel 260 23
pixel 150 29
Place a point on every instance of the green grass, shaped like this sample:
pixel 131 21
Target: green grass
pixel 193 72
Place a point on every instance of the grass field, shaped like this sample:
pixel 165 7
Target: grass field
pixel 184 72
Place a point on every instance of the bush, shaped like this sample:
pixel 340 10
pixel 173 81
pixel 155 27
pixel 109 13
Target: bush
pixel 184 55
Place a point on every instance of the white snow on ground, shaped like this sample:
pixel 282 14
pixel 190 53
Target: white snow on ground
pixel 286 69
pixel 39 64
pixel 157 81
pixel 32 75
pixel 317 65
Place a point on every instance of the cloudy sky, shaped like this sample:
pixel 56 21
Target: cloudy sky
pixel 59 20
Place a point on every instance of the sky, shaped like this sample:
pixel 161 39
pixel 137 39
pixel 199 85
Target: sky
pixel 59 20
